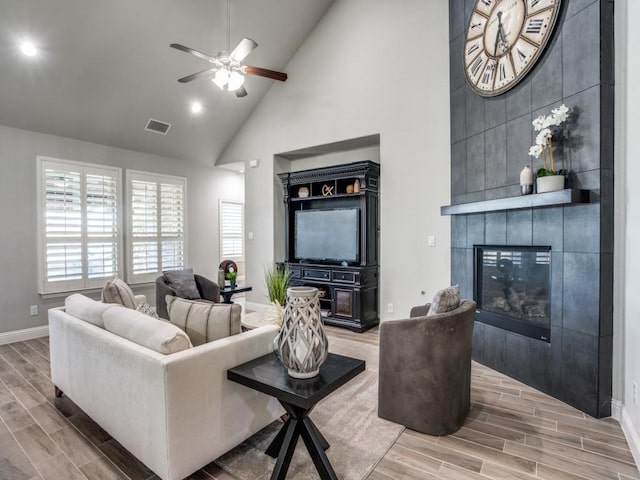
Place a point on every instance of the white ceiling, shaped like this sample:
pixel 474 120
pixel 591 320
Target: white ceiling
pixel 105 68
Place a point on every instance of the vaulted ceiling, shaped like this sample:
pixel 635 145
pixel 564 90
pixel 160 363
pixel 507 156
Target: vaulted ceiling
pixel 105 68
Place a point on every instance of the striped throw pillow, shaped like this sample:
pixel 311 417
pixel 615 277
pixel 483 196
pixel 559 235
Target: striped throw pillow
pixel 117 291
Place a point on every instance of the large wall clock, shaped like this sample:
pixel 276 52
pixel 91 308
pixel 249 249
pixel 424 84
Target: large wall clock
pixel 504 40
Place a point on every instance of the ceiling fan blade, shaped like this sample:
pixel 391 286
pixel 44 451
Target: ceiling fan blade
pixel 205 73
pixel 263 72
pixel 241 92
pixel 243 49
pixel 198 54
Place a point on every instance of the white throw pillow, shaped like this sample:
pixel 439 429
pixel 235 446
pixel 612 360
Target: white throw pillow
pixel 204 321
pixel 158 335
pixel 87 309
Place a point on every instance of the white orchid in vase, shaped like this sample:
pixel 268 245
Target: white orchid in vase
pixel 544 139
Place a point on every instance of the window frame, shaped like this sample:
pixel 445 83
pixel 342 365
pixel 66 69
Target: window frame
pixel 45 287
pixel 235 258
pixel 158 178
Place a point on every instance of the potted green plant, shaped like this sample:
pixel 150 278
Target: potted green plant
pixel 276 280
pixel 232 275
pixel 548 178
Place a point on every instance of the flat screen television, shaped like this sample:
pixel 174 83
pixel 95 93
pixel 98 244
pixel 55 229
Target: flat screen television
pixel 327 235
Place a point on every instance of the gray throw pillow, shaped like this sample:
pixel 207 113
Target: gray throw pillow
pixel 182 282
pixel 445 300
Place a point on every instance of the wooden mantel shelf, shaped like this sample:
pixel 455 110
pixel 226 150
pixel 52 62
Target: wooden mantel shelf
pixel 549 199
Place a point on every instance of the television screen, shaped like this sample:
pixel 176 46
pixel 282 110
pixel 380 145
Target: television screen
pixel 330 235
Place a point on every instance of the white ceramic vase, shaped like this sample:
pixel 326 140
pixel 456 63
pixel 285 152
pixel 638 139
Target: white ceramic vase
pixel 302 343
pixel 550 183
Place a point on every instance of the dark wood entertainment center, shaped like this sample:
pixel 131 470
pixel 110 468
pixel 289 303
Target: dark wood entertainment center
pixel 349 289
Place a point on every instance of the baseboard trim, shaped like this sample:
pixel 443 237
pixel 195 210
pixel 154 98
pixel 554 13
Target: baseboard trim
pixel 616 410
pixel 24 334
pixel 633 437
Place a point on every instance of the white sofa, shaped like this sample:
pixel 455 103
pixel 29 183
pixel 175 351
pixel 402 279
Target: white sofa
pixel 175 413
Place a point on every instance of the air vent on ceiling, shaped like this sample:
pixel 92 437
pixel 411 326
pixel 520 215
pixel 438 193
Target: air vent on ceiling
pixel 156 126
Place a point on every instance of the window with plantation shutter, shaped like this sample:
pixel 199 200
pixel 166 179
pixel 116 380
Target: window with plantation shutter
pixel 231 230
pixel 79 221
pixel 156 213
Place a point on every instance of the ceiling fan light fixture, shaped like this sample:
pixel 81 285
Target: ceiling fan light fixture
pixel 221 78
pixel 236 80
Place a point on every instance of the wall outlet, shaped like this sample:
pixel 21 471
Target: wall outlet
pixel 33 310
pixel 389 307
pixel 431 240
pixel 635 393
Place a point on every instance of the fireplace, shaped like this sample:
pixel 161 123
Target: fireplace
pixel 512 288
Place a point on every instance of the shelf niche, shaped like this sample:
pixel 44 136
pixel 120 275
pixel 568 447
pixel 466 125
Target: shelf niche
pixel 537 200
pixel 350 290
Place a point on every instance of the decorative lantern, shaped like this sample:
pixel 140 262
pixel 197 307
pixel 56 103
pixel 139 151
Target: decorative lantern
pixel 302 343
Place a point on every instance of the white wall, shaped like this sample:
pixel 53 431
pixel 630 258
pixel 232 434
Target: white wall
pixel 627 171
pixel 378 67
pixel 18 236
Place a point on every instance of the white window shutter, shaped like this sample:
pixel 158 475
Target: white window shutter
pixel 157 225
pixel 80 222
pixel 231 230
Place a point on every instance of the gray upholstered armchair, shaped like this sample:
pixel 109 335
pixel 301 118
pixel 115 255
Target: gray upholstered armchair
pixel 425 369
pixel 208 289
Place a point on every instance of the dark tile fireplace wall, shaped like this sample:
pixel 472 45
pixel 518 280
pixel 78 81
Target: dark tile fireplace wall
pixel 490 140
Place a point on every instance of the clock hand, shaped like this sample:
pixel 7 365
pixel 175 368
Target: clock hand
pixel 498 34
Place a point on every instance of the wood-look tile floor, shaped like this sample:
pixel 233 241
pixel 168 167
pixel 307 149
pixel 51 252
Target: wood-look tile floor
pixel 513 432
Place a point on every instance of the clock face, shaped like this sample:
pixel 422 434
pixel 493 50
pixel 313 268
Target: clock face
pixel 504 40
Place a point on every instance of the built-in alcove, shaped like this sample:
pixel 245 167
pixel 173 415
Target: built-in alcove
pixel 327 229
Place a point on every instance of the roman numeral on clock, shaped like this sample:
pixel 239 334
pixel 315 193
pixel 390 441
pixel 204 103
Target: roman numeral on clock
pixel 535 25
pixel 521 54
pixel 534 3
pixel 473 48
pixel 488 2
pixel 476 65
pixel 503 72
pixel 488 73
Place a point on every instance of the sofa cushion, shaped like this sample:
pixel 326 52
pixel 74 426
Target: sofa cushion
pixel 86 309
pixel 204 321
pixel 117 291
pixel 445 300
pixel 182 282
pixel 158 335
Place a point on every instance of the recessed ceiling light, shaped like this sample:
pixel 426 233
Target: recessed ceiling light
pixel 196 107
pixel 29 49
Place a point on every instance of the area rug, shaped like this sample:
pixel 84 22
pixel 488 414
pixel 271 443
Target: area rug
pixel 347 418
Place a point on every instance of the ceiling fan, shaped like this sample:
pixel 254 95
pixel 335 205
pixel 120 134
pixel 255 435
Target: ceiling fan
pixel 228 72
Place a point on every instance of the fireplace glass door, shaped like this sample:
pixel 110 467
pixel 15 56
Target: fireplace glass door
pixel 512 288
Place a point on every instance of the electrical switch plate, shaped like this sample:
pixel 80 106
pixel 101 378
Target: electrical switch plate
pixel 431 240
pixel 33 310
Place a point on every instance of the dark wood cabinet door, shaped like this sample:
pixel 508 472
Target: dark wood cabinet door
pixel 343 302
